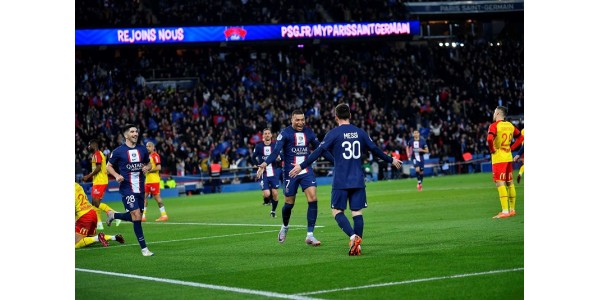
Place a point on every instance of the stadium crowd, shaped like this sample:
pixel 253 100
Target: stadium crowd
pixel 141 13
pixel 392 88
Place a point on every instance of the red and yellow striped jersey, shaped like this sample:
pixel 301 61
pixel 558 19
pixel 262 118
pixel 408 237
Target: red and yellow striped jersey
pixel 500 136
pixel 154 176
pixel 82 204
pixel 102 176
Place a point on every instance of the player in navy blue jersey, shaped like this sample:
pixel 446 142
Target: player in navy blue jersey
pixel 269 182
pixel 347 143
pixel 294 143
pixel 132 162
pixel 415 148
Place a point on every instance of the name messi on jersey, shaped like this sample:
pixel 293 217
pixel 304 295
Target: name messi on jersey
pixel 351 135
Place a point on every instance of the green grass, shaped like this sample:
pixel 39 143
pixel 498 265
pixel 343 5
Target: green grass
pixel 441 243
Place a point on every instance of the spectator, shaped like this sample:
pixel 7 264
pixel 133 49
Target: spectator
pixel 171 183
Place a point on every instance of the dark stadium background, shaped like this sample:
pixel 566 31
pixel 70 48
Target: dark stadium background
pixel 444 82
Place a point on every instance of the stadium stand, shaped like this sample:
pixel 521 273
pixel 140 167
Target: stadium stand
pixel 199 101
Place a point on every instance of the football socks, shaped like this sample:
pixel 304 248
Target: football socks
pixel 344 224
pixel 311 216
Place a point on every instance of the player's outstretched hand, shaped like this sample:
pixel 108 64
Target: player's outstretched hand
pixel 294 172
pixel 261 169
pixel 259 172
pixel 397 163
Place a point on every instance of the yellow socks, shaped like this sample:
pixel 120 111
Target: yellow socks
pixel 98 210
pixel 522 170
pixel 503 198
pixel 104 207
pixel 85 242
pixel 512 197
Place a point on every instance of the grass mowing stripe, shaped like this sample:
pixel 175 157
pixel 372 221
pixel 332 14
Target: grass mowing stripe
pixel 223 224
pixel 410 281
pixel 183 240
pixel 200 285
pixel 190 239
pixel 412 238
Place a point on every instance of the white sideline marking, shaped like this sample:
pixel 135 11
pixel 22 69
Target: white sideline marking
pixel 181 240
pixel 409 281
pixel 200 285
pixel 226 224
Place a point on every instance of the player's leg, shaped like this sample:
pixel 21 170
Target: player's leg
pixel 148 194
pixel 312 211
pixel 266 193
pixel 339 200
pixel 358 201
pixel 265 189
pixel 118 237
pixel 521 172
pixel 286 213
pixel 161 206
pixel 98 215
pixel 105 208
pixel 499 176
pixel 512 192
pixel 419 173
pixel 134 215
pixel 503 194
pixel 85 231
pixel 274 201
pixel 136 218
pixel 512 198
pixel 97 195
pixel 290 190
pixel 88 240
pixel 145 207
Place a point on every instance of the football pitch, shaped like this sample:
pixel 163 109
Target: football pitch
pixel 440 243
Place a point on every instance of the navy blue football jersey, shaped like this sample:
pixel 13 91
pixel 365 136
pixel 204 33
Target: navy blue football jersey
pixel 347 143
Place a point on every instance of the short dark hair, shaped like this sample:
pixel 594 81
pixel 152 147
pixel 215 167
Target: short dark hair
pixel 297 112
pixel 267 128
pixel 342 111
pixel 93 141
pixel 126 128
pixel 503 109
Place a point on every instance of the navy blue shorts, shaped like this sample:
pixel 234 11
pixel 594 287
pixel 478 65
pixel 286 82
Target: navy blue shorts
pixel 356 197
pixel 420 164
pixel 267 183
pixel 305 181
pixel 132 202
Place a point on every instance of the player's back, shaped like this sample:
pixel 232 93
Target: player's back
pixel 347 143
pixel 82 204
pixel 502 141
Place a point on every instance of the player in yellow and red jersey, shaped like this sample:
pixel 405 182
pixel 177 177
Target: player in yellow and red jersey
pixel 99 181
pixel 152 187
pixel 85 222
pixel 500 137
